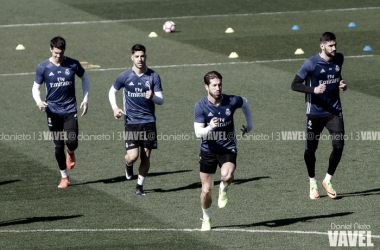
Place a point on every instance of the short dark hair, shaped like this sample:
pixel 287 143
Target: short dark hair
pixel 58 42
pixel 212 75
pixel 138 47
pixel 327 37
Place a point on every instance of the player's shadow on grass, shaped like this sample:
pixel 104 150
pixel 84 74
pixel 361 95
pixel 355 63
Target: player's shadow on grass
pixel 360 193
pixel 198 185
pixel 165 173
pixel 37 219
pixel 8 182
pixel 290 221
pixel 122 178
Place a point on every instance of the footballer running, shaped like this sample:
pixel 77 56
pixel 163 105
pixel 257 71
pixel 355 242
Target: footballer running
pixel 214 123
pixel 58 73
pixel 322 74
pixel 142 90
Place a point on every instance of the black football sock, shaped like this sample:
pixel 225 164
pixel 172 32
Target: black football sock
pixel 309 157
pixel 335 157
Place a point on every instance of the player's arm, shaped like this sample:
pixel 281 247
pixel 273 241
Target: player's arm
pixel 201 131
pixel 38 81
pixel 306 69
pixel 158 98
pixel 36 91
pixel 342 84
pixel 86 90
pixel 112 97
pixel 248 116
pixel 297 85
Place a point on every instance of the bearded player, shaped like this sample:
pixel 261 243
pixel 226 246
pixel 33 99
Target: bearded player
pixel 323 80
pixel 214 123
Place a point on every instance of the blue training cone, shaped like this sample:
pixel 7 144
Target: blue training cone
pixel 351 25
pixel 295 27
pixel 367 48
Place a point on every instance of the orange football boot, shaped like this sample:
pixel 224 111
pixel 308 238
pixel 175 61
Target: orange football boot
pixel 64 182
pixel 329 188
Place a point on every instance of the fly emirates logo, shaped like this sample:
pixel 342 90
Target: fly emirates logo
pixel 61 82
pixel 138 93
pixel 222 122
pixel 330 80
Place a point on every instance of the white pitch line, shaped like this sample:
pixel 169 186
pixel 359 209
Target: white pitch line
pixel 165 230
pixel 183 17
pixel 194 65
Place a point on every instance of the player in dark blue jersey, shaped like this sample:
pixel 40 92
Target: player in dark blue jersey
pixel 214 123
pixel 58 74
pixel 142 90
pixel 323 80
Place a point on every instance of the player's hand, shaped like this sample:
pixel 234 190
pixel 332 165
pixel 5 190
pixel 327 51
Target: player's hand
pixel 42 105
pixel 149 94
pixel 117 113
pixel 84 105
pixel 214 121
pixel 244 130
pixel 342 85
pixel 320 89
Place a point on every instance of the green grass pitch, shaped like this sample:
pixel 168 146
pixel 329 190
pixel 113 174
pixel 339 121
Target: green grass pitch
pixel 269 206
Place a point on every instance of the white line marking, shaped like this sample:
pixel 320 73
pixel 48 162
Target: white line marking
pixel 183 17
pixel 195 65
pixel 165 230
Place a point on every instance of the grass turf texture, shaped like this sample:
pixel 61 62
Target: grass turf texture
pixel 271 186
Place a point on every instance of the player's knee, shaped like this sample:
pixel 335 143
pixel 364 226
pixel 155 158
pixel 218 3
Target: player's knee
pixel 144 156
pixel 310 151
pixel 227 177
pixel 338 148
pixel 206 190
pixel 131 157
pixel 72 144
pixel 338 145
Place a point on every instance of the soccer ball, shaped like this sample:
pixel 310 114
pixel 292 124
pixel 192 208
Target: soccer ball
pixel 169 26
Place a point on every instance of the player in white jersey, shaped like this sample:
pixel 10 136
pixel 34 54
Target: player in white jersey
pixel 214 123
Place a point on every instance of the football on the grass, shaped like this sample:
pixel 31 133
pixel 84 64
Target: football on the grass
pixel 169 26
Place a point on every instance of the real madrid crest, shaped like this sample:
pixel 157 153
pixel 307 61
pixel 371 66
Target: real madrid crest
pixel 228 112
pixel 337 68
pixel 147 84
pixel 67 72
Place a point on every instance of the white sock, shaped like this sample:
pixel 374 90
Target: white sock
pixel 206 213
pixel 64 173
pixel 223 185
pixel 313 180
pixel 140 180
pixel 70 152
pixel 129 165
pixel 328 177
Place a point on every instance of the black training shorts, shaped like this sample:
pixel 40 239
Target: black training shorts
pixel 314 126
pixel 65 124
pixel 208 161
pixel 140 135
